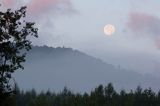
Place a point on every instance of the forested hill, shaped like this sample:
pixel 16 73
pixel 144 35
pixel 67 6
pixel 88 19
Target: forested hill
pixel 53 68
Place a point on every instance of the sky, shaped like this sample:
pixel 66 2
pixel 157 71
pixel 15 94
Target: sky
pixel 79 24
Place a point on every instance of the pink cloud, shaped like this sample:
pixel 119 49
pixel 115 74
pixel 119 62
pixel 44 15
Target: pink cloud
pixel 145 25
pixel 40 6
pixel 8 3
pixel 37 7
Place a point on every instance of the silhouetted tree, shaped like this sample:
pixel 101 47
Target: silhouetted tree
pixel 99 95
pixel 110 94
pixel 158 98
pixel 149 98
pixel 138 96
pixel 15 35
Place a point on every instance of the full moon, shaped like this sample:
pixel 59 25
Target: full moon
pixel 109 30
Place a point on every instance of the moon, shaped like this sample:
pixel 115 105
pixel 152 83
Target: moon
pixel 109 29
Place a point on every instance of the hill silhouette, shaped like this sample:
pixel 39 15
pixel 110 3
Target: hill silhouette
pixel 53 68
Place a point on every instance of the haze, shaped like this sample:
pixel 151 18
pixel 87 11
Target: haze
pixel 79 24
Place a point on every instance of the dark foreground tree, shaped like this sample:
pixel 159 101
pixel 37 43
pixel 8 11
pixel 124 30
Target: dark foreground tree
pixel 15 41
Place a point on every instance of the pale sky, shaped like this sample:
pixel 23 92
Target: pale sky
pixel 79 24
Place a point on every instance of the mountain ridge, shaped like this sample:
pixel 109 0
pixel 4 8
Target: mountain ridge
pixel 54 68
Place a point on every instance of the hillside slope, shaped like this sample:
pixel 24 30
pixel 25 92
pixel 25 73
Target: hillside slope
pixel 53 68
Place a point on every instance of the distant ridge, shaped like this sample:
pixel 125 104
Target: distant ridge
pixel 53 68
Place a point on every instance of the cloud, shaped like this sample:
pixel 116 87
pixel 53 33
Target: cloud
pixel 43 13
pixel 42 6
pixel 39 7
pixel 143 24
pixel 8 3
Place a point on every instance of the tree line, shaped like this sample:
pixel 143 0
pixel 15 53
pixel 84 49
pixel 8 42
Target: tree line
pixel 100 96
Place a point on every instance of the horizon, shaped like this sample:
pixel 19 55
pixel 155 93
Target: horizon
pixel 79 25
